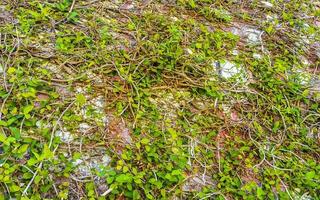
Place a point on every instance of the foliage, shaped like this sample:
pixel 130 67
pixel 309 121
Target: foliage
pixel 143 83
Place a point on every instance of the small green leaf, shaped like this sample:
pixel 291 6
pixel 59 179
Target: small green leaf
pixel 3 123
pixel 73 16
pixel 23 148
pixel 26 110
pixel 310 175
pixel 260 193
pixel 276 126
pixel 176 172
pixel 145 141
pixel 198 45
pixel 46 154
pixel 3 137
pixel 81 99
pixel 11 70
pixel 16 132
pixel 14 188
pixel 124 178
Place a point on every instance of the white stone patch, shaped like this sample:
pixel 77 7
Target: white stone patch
pixel 235 52
pixel 250 33
pixel 253 36
pixel 174 19
pixel 54 69
pixel 89 162
pixel 83 112
pixel 304 196
pixel 304 77
pixel 315 84
pixel 169 102
pixel 189 51
pixel 305 40
pixel 80 90
pixel 105 120
pixel 98 102
pixel 226 107
pixel 257 56
pixel 41 124
pixel 94 77
pixel 304 61
pixel 106 160
pixel 227 69
pixel 196 183
pixel 266 4
pixel 84 127
pixel 1 69
pixel 65 136
pixel 271 18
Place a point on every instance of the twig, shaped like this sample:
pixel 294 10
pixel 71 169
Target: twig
pixel 70 10
pixel 56 124
pixel 4 101
pixel 50 143
pixel 286 188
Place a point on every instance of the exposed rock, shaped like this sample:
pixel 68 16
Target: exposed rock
pixel 129 5
pixel 271 18
pixel 95 159
pixel 84 127
pixel 196 183
pixel 249 33
pixel 65 136
pixel 6 16
pixel 235 52
pixel 117 130
pixel 304 61
pixel 94 109
pixel 227 69
pixel 188 51
pixel 257 56
pixel 55 70
pixel 266 4
pixel 170 102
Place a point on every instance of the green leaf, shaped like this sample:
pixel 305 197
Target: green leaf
pixel 23 148
pixel 16 132
pixel 110 179
pixel 26 110
pixel 124 178
pixel 11 120
pixel 198 45
pixel 173 133
pixel 3 137
pixel 310 175
pixel 32 161
pixel 145 141
pixel 14 188
pixel 176 172
pixel 3 123
pixel 149 196
pixel 11 70
pixel 276 126
pixel 135 194
pixel 81 99
pixel 46 154
pixel 192 3
pixel 260 193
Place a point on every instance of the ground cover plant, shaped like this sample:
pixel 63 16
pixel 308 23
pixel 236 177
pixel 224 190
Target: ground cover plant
pixel 159 99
